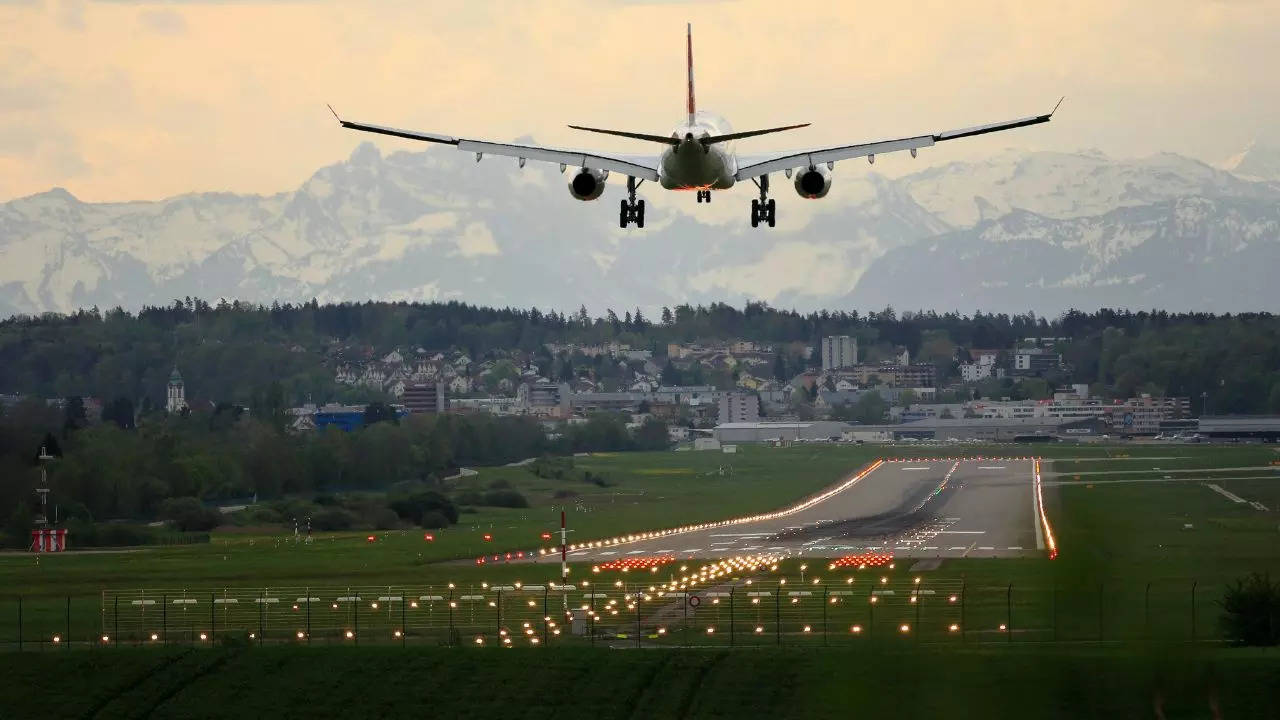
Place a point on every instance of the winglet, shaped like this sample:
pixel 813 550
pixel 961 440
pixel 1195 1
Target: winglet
pixel 335 113
pixel 1055 107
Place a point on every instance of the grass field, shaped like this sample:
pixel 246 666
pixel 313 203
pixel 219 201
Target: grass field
pixel 1124 545
pixel 601 684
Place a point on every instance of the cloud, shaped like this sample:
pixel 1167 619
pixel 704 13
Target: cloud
pixel 165 22
pixel 477 240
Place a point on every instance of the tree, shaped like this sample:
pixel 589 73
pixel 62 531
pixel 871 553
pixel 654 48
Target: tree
pixel 779 368
pixel 670 375
pixel 667 317
pixel 73 415
pixel 652 435
pixel 1251 611
pixel 189 514
pixel 376 412
pixel 906 398
pixel 120 412
pixel 946 414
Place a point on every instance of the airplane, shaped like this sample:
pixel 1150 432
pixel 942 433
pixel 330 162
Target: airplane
pixel 699 155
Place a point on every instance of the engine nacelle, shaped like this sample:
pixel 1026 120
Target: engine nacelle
pixel 588 184
pixel 813 182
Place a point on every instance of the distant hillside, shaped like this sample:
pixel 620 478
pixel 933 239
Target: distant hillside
pixel 436 225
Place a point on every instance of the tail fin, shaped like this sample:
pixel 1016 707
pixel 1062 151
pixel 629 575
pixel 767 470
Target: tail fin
pixel 689 49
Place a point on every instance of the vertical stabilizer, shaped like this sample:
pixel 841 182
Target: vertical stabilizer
pixel 689 51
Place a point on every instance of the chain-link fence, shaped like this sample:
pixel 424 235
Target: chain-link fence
pixel 740 613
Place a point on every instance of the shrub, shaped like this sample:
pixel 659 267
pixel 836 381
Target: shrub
pixel 188 513
pixel 561 494
pixel 415 506
pixel 384 519
pixel 469 497
pixel 1251 611
pixel 499 484
pixel 504 498
pixel 434 519
pixel 333 518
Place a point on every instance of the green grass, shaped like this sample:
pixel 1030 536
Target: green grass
pixel 602 684
pixel 1116 538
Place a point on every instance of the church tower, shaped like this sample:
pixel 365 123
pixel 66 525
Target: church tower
pixel 177 397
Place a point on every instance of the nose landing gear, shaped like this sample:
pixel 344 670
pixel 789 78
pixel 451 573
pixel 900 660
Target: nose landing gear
pixel 765 209
pixel 704 196
pixel 631 210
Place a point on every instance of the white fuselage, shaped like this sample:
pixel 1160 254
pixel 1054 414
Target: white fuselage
pixel 694 166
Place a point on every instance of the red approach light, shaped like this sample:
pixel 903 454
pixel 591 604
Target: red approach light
pixel 488 537
pixel 428 537
pixel 479 561
pixel 637 563
pixel 546 536
pixel 371 538
pixel 520 554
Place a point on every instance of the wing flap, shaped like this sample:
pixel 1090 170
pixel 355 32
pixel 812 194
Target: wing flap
pixel 529 152
pixel 823 155
pixel 568 157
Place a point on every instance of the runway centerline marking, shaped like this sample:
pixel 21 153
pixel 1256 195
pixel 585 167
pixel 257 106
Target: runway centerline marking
pixel 916 468
pixel 992 467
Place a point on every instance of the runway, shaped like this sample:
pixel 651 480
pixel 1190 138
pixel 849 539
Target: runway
pixel 913 508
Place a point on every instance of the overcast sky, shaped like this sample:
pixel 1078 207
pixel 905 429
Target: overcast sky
pixel 119 100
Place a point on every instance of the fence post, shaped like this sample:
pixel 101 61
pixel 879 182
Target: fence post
pixel 919 601
pixel 355 619
pixel 499 610
pixel 213 619
pixel 164 617
pixel 731 616
pixel 636 600
pixel 545 590
pixel 593 616
pixel 115 633
pixel 825 600
pixel 68 628
pixel 777 615
pixel 308 616
pixel 1146 612
pixel 404 629
pixel 964 627
pixel 1101 632
pixel 1053 600
pixel 1008 614
pixel 871 612
pixel 451 615
pixel 1193 611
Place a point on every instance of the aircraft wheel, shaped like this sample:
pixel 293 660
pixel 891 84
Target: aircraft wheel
pixel 755 213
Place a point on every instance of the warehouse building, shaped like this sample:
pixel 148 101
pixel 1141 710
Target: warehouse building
pixel 780 432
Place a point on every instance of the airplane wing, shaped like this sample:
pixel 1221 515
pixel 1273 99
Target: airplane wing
pixel 807 158
pixel 569 158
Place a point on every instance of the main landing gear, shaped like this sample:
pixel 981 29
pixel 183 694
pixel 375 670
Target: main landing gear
pixel 765 209
pixel 704 196
pixel 631 210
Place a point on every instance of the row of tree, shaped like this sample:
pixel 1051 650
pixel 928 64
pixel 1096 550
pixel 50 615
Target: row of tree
pixel 109 472
pixel 271 358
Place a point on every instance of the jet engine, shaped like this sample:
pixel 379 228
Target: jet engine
pixel 588 184
pixel 813 182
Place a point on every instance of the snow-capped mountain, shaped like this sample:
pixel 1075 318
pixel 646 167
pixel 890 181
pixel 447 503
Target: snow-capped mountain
pixel 1191 253
pixel 1058 230
pixel 1259 161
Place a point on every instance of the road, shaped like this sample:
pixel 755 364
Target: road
pixel 925 508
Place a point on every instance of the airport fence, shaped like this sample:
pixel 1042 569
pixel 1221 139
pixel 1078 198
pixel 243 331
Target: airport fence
pixel 763 612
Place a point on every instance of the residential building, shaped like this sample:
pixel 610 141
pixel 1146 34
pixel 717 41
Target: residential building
pixel 973 372
pixel 425 398
pixel 920 375
pixel 839 351
pixel 1035 361
pixel 739 407
pixel 589 402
